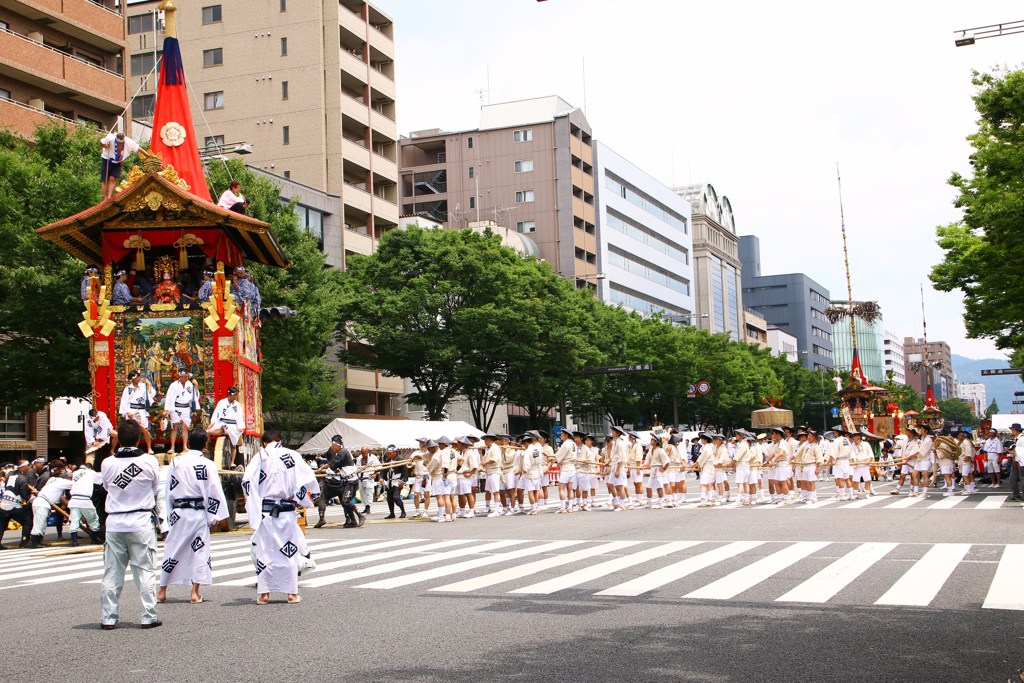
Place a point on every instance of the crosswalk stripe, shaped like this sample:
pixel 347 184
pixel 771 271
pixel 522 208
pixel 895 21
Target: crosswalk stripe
pixel 1007 590
pixel 923 581
pixel 588 573
pixel 404 564
pixel 521 570
pixel 947 503
pixel 362 552
pixel 679 570
pixel 744 579
pixel 904 502
pixel 819 504
pixel 863 502
pixel 824 585
pixel 991 503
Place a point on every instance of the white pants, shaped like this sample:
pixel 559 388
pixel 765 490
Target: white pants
pixel 122 549
pixel 182 415
pixel 40 512
pixel 366 488
pixel 233 432
pixel 90 516
pixel 946 469
pixel 528 484
pixel 466 485
pixel 493 483
pixel 745 475
pixel 842 470
pixel 806 472
pixel 992 465
pixel 966 469
pixel 567 477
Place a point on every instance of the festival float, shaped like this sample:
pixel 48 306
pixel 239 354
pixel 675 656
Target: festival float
pixel 162 220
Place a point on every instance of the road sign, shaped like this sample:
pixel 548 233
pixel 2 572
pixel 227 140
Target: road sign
pixel 835 411
pixel 692 389
pixel 703 387
pixel 617 369
pixel 1018 393
pixel 1003 371
pixel 1018 403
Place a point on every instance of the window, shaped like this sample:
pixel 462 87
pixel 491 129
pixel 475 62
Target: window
pixel 284 47
pixel 472 172
pixel 5 94
pixel 213 100
pixel 211 15
pixel 142 64
pixel 523 166
pixel 469 142
pixel 524 135
pixel 214 57
pixel 85 120
pixel 12 424
pixel 472 201
pixel 213 143
pixel 284 90
pixel 312 220
pixel 284 5
pixel 441 157
pixel 142 23
pixel 286 135
pixel 4 26
pixel 142 106
pixel 524 196
pixel 288 175
pixel 526 226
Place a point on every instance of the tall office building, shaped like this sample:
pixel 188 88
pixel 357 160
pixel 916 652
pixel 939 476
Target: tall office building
pixel 529 165
pixel 61 61
pixel 892 357
pixel 870 346
pixel 974 394
pixel 716 262
pixel 939 368
pixel 793 302
pixel 644 240
pixel 310 88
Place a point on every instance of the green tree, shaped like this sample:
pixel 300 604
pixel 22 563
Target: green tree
pixel 982 250
pixel 44 180
pixel 957 410
pixel 300 383
pixel 993 409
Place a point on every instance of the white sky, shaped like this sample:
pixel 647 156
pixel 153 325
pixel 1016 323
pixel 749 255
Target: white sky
pixel 761 99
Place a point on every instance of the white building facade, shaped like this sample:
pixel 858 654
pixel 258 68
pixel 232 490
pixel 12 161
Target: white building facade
pixel 645 244
pixel 974 394
pixel 782 343
pixel 892 357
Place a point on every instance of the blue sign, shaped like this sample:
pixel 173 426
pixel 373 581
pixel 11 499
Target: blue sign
pixel 835 412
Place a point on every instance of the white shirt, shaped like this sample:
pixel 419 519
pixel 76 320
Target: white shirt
pixel 82 483
pixel 136 398
pixel 229 199
pixel 98 429
pixel 131 482
pixel 1019 449
pixel 993 448
pixel 180 396
pixel 54 488
pixel 229 413
pixel 110 147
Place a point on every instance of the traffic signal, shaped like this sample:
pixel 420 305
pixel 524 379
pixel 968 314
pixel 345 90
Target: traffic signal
pixel 277 313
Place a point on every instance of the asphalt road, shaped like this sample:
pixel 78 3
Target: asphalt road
pixel 790 594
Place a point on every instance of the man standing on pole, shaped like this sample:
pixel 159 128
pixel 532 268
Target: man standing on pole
pixel 131 478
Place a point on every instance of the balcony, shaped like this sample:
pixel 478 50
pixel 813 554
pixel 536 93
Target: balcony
pixel 358 242
pixel 352 22
pixel 88 21
pixel 52 70
pixel 355 109
pixel 24 119
pixel 357 198
pixel 582 180
pixel 383 124
pixel 361 379
pixel 585 241
pixel 353 65
pixel 581 209
pixel 355 152
pixel 385 167
pixel 382 84
pixel 581 151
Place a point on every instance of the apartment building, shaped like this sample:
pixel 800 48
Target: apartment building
pixel 974 394
pixel 529 165
pixel 892 357
pixel 929 365
pixel 717 265
pixel 308 91
pixel 61 60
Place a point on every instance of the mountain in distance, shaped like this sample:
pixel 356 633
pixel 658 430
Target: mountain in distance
pixel 998 387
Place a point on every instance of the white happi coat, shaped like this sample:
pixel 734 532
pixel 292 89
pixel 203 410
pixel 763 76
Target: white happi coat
pixel 277 474
pixel 230 417
pixel 98 429
pixel 135 401
pixel 180 401
pixel 191 476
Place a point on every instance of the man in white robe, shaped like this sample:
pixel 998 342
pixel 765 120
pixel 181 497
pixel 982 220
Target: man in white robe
pixel 276 482
pixel 228 420
pixel 181 401
pixel 136 399
pixel 196 502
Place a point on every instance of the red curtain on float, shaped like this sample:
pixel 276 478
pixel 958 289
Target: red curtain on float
pixel 174 137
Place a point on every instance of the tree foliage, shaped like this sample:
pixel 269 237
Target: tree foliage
pixel 958 411
pixel 300 383
pixel 982 250
pixel 50 178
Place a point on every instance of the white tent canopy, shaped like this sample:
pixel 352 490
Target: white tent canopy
pixel 381 433
pixel 1002 421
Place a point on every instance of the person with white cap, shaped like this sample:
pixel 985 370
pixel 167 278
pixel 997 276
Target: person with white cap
pixel 908 453
pixel 180 401
pixel 657 462
pixel 808 458
pixel 922 470
pixel 966 461
pixel 491 463
pixel 635 471
pixel 837 456
pixel 722 460
pixel 618 461
pixel 136 399
pixel 705 464
pixel 781 472
pixel 565 459
pixel 122 296
pixel 993 448
pixel 438 464
pixel 741 459
pixel 468 467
